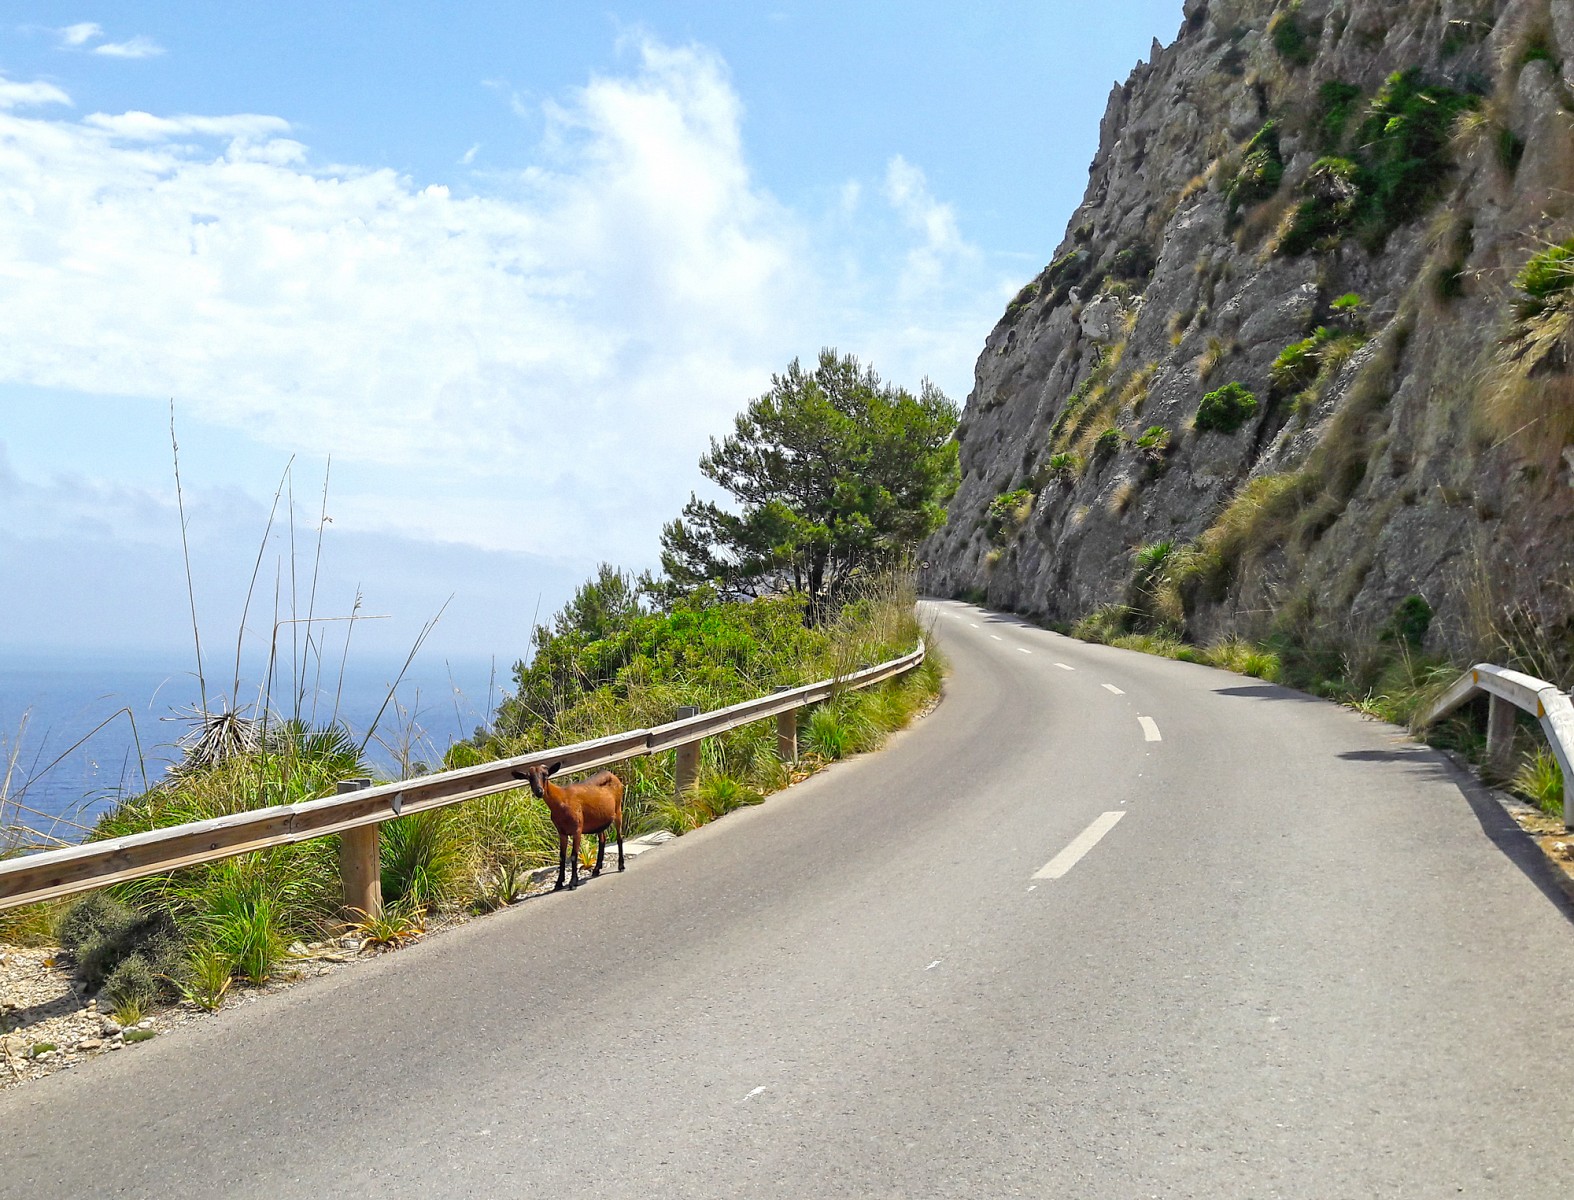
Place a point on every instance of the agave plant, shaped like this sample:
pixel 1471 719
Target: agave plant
pixel 216 737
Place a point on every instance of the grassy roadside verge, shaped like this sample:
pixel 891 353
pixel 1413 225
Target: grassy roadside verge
pixel 197 934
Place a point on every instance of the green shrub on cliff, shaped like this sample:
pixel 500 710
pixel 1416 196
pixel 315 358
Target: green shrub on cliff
pixel 1546 281
pixel 1401 159
pixel 1261 170
pixel 1226 409
pixel 1007 513
pixel 1293 37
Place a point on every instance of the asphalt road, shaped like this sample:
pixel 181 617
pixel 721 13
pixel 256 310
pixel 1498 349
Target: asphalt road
pixel 1306 959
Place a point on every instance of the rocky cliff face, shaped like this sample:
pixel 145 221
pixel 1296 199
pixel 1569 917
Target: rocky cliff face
pixel 1286 370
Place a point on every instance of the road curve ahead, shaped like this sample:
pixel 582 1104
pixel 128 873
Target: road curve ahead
pixel 1102 925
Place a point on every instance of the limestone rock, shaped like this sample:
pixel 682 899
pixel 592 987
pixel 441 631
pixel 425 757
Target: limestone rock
pixel 1194 269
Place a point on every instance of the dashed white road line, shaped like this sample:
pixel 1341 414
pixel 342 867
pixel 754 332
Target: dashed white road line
pixel 1085 841
pixel 1065 666
pixel 1150 730
pixel 1023 650
pixel 974 624
pixel 1110 687
pixel 997 637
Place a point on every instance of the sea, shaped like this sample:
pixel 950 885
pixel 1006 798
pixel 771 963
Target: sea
pixel 78 733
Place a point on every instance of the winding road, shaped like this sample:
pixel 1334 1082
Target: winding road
pixel 1102 925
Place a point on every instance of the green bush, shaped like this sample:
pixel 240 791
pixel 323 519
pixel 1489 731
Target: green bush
pixel 1155 437
pixel 1406 135
pixel 1409 623
pixel 1540 780
pixel 1402 157
pixel 1297 364
pixel 1336 104
pixel 1334 195
pixel 1294 38
pixel 133 983
pixel 1226 409
pixel 1545 281
pixel 1007 513
pixel 1064 464
pixel 1261 170
pixel 1510 149
pixel 828 734
pixel 102 935
pixel 424 858
pixel 1108 442
pixel 1019 303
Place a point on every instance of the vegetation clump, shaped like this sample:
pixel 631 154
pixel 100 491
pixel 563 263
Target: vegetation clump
pixel 1226 409
pixel 1411 619
pixel 1261 170
pixel 1293 37
pixel 1545 282
pixel 1394 167
pixel 1021 301
pixel 1336 104
pixel 1007 513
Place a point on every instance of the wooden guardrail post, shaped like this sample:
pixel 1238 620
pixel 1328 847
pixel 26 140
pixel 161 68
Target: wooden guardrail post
pixel 1500 735
pixel 360 866
pixel 787 732
pixel 686 769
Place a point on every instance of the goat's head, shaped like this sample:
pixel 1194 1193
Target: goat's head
pixel 536 775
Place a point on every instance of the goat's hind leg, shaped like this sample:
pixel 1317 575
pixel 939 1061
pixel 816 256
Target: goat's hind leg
pixel 619 829
pixel 574 869
pixel 601 849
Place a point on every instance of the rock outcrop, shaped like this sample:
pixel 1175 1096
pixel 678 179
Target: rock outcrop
pixel 1329 205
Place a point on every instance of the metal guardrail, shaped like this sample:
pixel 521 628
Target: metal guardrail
pixel 54 873
pixel 1510 690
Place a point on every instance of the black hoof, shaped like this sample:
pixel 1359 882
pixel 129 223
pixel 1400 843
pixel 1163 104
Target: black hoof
pixel 621 867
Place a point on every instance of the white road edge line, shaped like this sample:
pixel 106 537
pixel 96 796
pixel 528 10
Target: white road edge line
pixel 1150 730
pixel 1110 687
pixel 1085 841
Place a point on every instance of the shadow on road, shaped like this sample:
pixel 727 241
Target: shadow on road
pixel 1268 691
pixel 1502 831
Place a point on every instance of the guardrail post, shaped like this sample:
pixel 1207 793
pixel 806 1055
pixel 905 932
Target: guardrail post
pixel 1500 735
pixel 360 867
pixel 787 732
pixel 686 770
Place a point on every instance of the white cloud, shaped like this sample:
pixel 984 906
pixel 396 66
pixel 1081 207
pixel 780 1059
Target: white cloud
pixel 534 367
pixel 137 47
pixel 908 193
pixel 145 127
pixel 80 33
pixel 29 95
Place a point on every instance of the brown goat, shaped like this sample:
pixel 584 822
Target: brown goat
pixel 578 809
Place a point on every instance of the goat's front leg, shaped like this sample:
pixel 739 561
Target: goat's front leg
pixel 574 869
pixel 619 828
pixel 601 849
pixel 562 860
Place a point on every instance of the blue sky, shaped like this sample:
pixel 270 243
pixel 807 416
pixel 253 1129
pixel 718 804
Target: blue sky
pixel 509 265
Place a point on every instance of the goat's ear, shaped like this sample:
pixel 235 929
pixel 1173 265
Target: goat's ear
pixel 519 775
pixel 553 769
